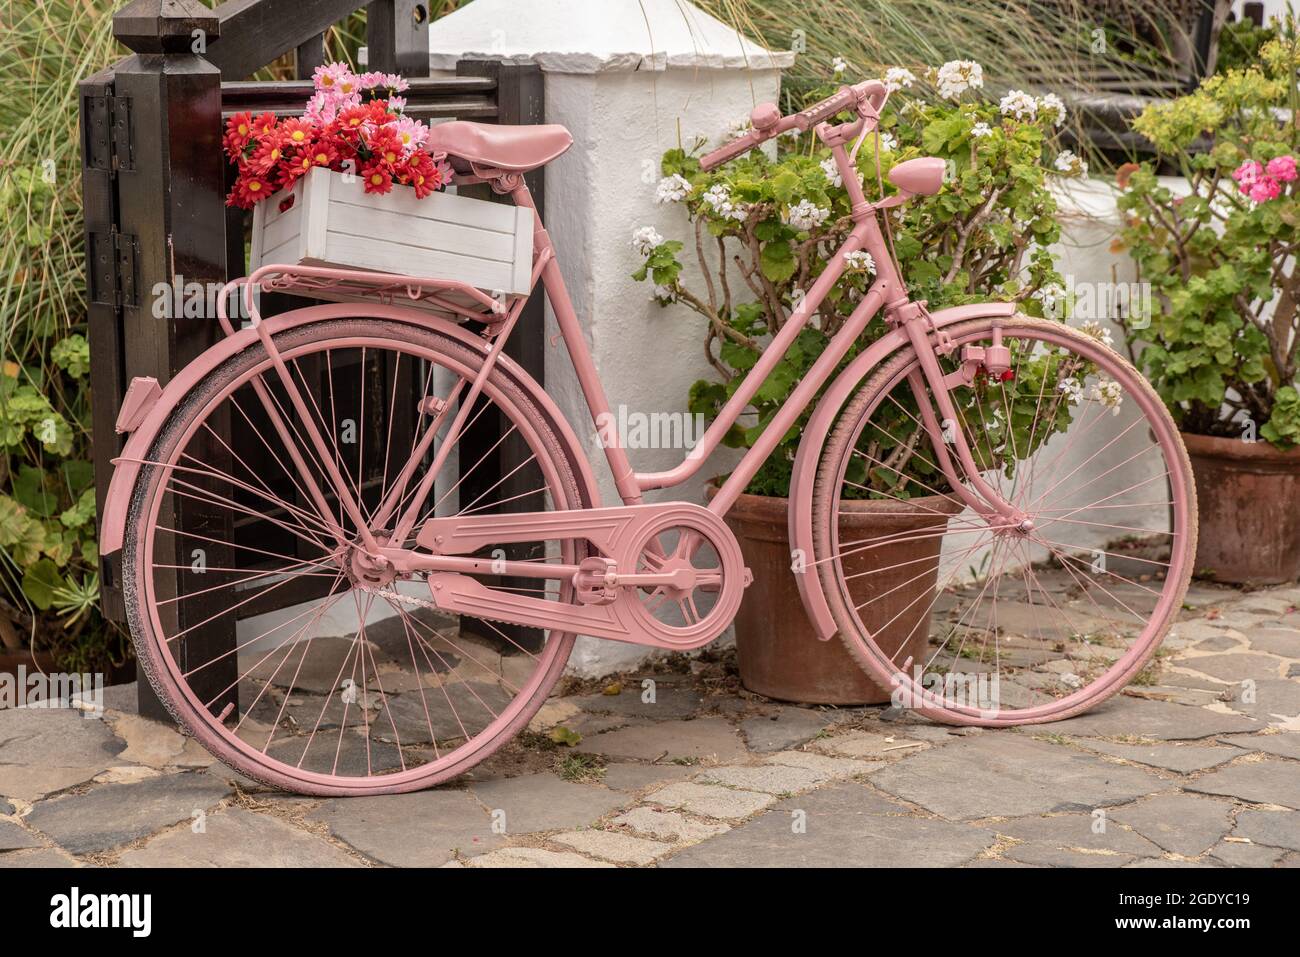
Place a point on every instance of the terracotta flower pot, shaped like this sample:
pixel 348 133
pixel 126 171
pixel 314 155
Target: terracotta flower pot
pixel 778 653
pixel 1248 497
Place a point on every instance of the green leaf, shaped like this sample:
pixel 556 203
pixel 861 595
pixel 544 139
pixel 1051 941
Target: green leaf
pixel 40 582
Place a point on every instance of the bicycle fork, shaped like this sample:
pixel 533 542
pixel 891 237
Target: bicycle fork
pixel 933 390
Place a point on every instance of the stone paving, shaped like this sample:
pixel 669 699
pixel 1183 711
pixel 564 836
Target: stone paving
pixel 1197 767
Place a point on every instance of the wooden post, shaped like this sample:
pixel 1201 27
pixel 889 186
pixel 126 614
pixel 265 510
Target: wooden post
pixel 397 37
pixel 520 100
pixel 170 175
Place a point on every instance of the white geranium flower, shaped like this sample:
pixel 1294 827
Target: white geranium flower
pixel 1069 164
pixel 1052 106
pixel 957 76
pixel 796 297
pixel 898 78
pixel 1052 297
pixel 860 259
pixel 1097 331
pixel 1071 389
pixel 981 129
pixel 1110 394
pixel 839 65
pixel 736 130
pixel 672 189
pixel 832 171
pixel 888 142
pixel 664 294
pixel 645 239
pixel 805 215
pixel 1019 104
pixel 719 197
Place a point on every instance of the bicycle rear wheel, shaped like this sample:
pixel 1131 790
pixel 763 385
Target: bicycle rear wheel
pixel 348 683
pixel 971 620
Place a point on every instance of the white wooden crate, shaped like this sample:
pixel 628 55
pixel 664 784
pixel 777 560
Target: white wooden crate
pixel 333 222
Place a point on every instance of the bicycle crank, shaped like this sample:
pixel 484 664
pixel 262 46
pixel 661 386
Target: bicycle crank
pixel 668 575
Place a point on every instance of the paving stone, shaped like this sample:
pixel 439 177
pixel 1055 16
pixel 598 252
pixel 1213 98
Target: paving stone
pixel 831 767
pixel 356 757
pixel 1238 667
pixel 1076 831
pixel 702 739
pixel 846 826
pixel 13 837
pixel 1284 642
pixel 1271 781
pixel 669 702
pixel 870 744
pixel 984 863
pixel 1176 679
pixel 1044 855
pixel 1219 642
pixel 542 802
pixel 453 711
pixel 38 857
pixel 1286 745
pixel 1271 828
pixel 238 838
pixel 1182 758
pixel 710 800
pixel 148 742
pixel 1177 694
pixel 1264 604
pixel 1164 863
pixel 669 826
pixel 1236 854
pixel 768 778
pixel 1274 699
pixel 552 713
pixel 533 857
pixel 422 829
pixel 1008 775
pixel 784 729
pixel 1123 716
pixel 6 808
pixel 1181 823
pixel 114 814
pixel 325 664
pixel 633 777
pixel 43 750
pixel 613 846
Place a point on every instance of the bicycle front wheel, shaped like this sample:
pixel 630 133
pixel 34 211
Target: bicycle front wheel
pixel 273 642
pixel 971 620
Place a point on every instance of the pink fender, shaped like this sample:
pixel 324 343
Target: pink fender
pixel 126 467
pixel 814 438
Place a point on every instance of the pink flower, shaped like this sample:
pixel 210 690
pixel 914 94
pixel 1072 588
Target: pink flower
pixel 1282 168
pixel 1247 175
pixel 334 78
pixel 412 133
pixel 1266 189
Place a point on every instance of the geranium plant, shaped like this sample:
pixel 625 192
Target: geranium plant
pixel 764 230
pixel 1222 348
pixel 353 124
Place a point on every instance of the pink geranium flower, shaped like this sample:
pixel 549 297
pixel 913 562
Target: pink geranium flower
pixel 1263 183
pixel 1282 168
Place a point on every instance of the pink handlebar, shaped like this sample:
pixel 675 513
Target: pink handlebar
pixel 768 121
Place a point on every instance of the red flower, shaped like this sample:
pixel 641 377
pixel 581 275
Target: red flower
pixel 386 147
pixel 264 124
pixel 377 179
pixel 353 117
pixel 295 133
pixel 267 156
pixel 423 174
pixel 239 130
pixel 249 189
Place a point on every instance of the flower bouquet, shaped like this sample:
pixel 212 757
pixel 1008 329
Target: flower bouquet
pixel 359 185
pixel 352 124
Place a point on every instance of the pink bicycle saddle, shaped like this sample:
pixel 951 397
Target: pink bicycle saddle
pixel 512 148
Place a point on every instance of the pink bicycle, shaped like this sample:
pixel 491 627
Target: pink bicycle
pixel 1036 457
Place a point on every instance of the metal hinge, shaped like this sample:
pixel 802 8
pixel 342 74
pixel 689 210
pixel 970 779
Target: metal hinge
pixel 109 144
pixel 112 268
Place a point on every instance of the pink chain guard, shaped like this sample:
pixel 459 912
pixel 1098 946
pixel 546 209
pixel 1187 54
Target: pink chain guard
pixel 620 534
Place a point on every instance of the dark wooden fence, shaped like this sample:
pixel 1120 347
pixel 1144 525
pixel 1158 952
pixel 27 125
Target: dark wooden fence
pixel 155 179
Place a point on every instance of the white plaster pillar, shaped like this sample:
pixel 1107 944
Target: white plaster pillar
pixel 630 79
